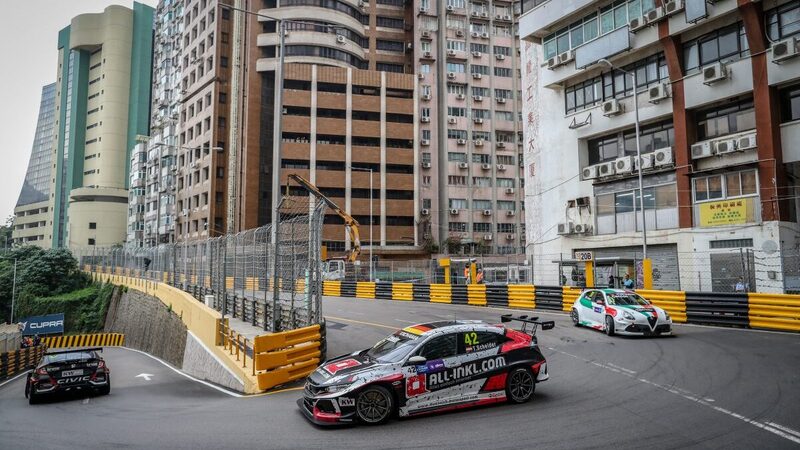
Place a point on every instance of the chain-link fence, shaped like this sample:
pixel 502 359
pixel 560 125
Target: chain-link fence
pixel 235 274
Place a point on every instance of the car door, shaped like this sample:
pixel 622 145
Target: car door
pixel 429 385
pixel 597 308
pixel 586 306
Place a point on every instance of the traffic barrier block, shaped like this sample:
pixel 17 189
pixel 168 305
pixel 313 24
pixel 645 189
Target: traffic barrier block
pixel 383 290
pixel 458 293
pixel 476 294
pixel 85 340
pixel 291 355
pixel 422 293
pixel 497 295
pixel 568 296
pixel 270 342
pixel 365 289
pixel 715 308
pixel 673 302
pixel 521 296
pixel 283 375
pixel 402 291
pixel 549 297
pixel 332 288
pixel 348 289
pixel 774 311
pixel 440 293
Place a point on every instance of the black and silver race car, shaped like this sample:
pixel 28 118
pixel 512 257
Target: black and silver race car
pixel 68 371
pixel 428 368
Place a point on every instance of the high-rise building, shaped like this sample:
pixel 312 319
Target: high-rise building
pixel 467 63
pixel 103 104
pixel 153 175
pixel 718 85
pixel 30 214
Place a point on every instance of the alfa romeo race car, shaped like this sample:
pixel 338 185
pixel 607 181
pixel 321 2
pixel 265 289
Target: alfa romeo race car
pixel 618 311
pixel 68 371
pixel 428 368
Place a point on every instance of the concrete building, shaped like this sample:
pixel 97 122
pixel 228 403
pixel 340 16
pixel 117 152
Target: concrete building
pixel 718 85
pixel 153 175
pixel 103 103
pixel 467 63
pixel 30 213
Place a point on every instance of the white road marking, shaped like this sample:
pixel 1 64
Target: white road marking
pixel 12 379
pixel 779 430
pixel 146 376
pixel 85 401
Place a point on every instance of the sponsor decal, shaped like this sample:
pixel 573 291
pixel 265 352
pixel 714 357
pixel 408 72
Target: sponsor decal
pixel 598 309
pixel 49 324
pixel 481 347
pixel 334 367
pixel 71 380
pixel 416 330
pixel 435 365
pixel 407 335
pixel 416 385
pixel 347 401
pixel 455 375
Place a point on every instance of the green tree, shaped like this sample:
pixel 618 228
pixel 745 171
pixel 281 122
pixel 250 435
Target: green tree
pixel 5 233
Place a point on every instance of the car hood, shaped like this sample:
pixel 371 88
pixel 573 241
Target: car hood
pixel 343 369
pixel 649 311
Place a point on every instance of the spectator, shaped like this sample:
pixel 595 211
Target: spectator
pixel 627 282
pixel 740 286
pixel 466 274
pixel 37 341
pixel 611 280
pixel 479 276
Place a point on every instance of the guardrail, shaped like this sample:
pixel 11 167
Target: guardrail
pixel 768 311
pixel 14 362
pixel 287 356
pixel 86 340
pixel 237 345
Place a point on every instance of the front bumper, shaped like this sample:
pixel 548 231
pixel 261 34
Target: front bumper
pixel 326 411
pixel 642 328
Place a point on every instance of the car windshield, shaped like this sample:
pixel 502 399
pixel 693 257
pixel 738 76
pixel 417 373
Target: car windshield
pixel 619 298
pixel 62 357
pixel 393 348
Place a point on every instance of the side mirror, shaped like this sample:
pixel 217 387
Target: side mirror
pixel 415 360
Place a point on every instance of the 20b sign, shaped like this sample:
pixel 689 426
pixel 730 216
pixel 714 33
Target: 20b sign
pixel 583 256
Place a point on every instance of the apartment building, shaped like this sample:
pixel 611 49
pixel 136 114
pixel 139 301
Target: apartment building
pixel 102 103
pixel 30 213
pixel 467 63
pixel 153 173
pixel 718 87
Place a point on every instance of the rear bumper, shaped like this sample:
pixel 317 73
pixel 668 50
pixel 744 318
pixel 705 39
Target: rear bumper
pixel 40 388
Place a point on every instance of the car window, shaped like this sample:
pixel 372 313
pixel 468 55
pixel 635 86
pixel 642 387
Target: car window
pixel 598 297
pixel 628 298
pixel 393 348
pixel 589 295
pixel 439 347
pixel 476 341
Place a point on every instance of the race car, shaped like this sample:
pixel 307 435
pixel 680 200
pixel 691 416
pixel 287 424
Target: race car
pixel 68 371
pixel 426 368
pixel 618 311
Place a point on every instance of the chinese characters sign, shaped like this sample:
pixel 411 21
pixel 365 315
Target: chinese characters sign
pixel 726 212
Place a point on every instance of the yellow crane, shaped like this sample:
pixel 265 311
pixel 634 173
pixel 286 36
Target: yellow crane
pixel 350 223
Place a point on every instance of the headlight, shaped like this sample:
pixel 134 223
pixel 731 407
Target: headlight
pixel 336 388
pixel 666 314
pixel 628 315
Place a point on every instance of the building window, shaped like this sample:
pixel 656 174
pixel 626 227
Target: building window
pixel 651 138
pixel 458 203
pixel 483 48
pixel 790 103
pixel 457 180
pixel 720 121
pixel 481 204
pixel 502 72
pixel 458 46
pixel 390 22
pixel 482 181
pixel 389 67
pixel 390 46
pixel 456 67
pixel 482 227
pixel 454 111
pixel 725 186
pixel 91 241
pixel 456 157
pixel 783 21
pixel 223 61
pixel 458 227
pixel 620 212
pixel 723 44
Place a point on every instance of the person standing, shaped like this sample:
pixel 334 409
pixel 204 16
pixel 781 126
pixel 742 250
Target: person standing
pixel 740 286
pixel 627 282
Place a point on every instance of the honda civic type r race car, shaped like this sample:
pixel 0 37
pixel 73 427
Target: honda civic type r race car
pixel 68 371
pixel 618 311
pixel 428 368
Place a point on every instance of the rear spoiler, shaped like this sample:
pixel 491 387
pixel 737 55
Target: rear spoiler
pixel 534 322
pixel 75 350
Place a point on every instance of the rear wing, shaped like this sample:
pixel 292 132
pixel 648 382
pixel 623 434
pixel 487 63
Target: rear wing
pixel 75 350
pixel 529 322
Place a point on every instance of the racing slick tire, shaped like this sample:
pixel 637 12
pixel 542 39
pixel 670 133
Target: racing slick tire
pixel 27 385
pixel 105 390
pixel 576 320
pixel 33 398
pixel 374 405
pixel 609 326
pixel 520 385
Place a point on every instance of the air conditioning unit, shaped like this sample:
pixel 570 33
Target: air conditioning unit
pixel 637 23
pixel 611 107
pixel 501 145
pixel 475 34
pixel 463 165
pixel 663 157
pixel 460 33
pixel 658 92
pixel 783 50
pixel 460 96
pixel 501 100
pixel 425 34
pixel 477 54
pixel 451 75
pixel 672 7
pixel 746 142
pixel 477 76
pixel 487 212
pixel 427 55
pixel 511 213
pixel 340 39
pixel 451 8
pixel 195 165
pixel 552 63
pixel 478 142
pixel 421 76
pixel 487 237
pixel 500 57
pixel 185 212
pixel 509 190
pixel 646 162
pixel 485 35
pixel 501 168
pixel 477 120
pixel 454 212
pixel 425 142
pixel 425 212
pixel 477 98
pixel 655 15
pixel 702 150
pixel 426 97
pixel 426 235
pixel 451 52
pixel 506 17
pixel 511 236
pixel 423 9
pixel 425 119
pixel 565 228
pixel 605 169
pixel 486 166
pixel 475 13
pixel 462 142
pixel 497 17
pixel 623 165
pixel 566 57
pixel 426 165
pixel 725 146
pixel 582 228
pixel 451 120
pixel 714 73
pixel 589 172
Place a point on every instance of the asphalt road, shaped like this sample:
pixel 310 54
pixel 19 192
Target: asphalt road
pixel 705 388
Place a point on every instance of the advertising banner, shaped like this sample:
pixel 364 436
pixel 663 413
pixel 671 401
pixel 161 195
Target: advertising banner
pixel 41 325
pixel 725 212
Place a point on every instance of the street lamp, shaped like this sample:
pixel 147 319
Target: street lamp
pixel 608 64
pixel 371 242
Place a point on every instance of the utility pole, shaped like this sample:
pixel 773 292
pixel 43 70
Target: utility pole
pixel 234 142
pixel 14 291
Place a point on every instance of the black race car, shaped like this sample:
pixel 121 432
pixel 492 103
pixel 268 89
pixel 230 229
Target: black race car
pixel 428 368
pixel 68 371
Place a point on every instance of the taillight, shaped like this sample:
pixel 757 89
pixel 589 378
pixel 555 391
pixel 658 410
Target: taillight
pixel 41 371
pixel 101 364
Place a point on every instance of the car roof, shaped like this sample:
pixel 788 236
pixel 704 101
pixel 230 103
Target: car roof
pixel 446 326
pixel 612 291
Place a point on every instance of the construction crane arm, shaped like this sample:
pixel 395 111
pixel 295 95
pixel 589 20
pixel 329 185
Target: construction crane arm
pixel 350 223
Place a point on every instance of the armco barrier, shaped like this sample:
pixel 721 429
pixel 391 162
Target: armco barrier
pixel 717 309
pixel 568 296
pixel 402 291
pixel 365 289
pixel 348 289
pixel 12 363
pixel 673 302
pixel 549 297
pixel 383 290
pixel 476 294
pixel 441 293
pixel 332 288
pixel 777 312
pixel 422 293
pixel 521 296
pixel 85 340
pixel 497 295
pixel 459 294
pixel 286 356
